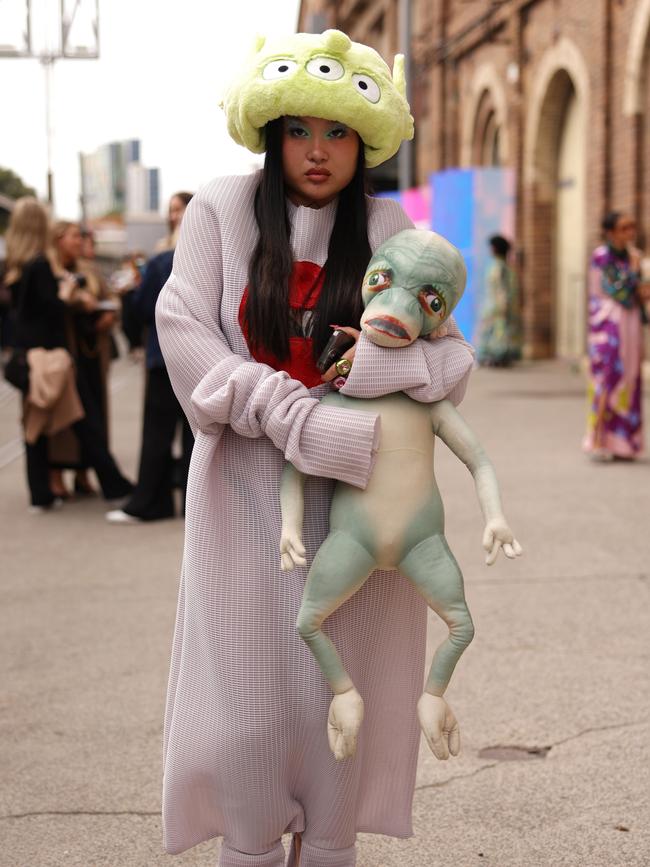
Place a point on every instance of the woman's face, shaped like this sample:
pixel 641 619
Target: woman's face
pixel 623 234
pixel 319 159
pixel 70 245
pixel 176 210
pixel 88 246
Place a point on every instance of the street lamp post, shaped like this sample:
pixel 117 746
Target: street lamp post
pixel 77 34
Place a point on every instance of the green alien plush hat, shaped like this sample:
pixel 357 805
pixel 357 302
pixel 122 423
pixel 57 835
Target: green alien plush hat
pixel 321 75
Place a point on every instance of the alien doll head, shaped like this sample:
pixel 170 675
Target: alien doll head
pixel 413 282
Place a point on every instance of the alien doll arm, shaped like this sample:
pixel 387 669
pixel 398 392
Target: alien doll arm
pixel 452 429
pixel 292 501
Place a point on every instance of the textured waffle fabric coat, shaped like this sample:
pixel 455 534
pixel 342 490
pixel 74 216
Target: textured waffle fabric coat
pixel 245 746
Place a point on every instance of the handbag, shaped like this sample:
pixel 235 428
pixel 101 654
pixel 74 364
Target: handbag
pixel 16 370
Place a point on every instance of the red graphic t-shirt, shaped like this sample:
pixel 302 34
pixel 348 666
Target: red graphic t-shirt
pixel 305 284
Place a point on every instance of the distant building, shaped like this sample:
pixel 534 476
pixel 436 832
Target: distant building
pixel 142 190
pixel 556 90
pixel 114 183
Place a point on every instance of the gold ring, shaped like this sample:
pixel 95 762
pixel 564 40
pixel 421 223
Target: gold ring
pixel 343 366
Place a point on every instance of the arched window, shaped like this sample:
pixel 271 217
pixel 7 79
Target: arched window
pixel 486 150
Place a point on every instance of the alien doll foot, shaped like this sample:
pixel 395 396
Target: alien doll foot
pixel 343 723
pixel 439 726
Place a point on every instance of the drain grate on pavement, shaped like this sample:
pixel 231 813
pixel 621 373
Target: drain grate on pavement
pixel 514 754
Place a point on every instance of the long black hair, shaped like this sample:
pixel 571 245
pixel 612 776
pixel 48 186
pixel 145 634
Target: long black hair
pixel 609 221
pixel 500 245
pixel 267 308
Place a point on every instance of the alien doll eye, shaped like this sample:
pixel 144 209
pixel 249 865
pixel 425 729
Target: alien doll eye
pixel 326 68
pixel 434 300
pixel 367 87
pixel 379 280
pixel 278 69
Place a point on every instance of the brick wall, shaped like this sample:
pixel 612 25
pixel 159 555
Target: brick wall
pixel 480 47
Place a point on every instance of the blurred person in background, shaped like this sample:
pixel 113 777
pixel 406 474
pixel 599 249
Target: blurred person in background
pixel 499 332
pixel 5 307
pixel 616 296
pixel 123 283
pixel 175 211
pixel 89 341
pixel 43 296
pixel 153 496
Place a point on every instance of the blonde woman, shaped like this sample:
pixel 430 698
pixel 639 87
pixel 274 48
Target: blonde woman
pixel 41 299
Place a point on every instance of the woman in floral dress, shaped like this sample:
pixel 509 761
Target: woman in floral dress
pixel 614 422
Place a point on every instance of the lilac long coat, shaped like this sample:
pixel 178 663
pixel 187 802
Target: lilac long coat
pixel 246 753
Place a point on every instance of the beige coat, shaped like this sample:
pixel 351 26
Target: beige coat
pixel 52 403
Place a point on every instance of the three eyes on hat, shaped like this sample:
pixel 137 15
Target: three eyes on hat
pixel 325 68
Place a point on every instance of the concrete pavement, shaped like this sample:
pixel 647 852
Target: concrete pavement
pixel 559 669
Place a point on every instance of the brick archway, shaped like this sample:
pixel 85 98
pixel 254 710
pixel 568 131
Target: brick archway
pixel 636 106
pixel 485 102
pixel 560 75
pixel 636 63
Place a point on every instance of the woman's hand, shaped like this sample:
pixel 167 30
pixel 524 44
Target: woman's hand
pixel 331 374
pixel 67 288
pixel 85 300
pixel 635 259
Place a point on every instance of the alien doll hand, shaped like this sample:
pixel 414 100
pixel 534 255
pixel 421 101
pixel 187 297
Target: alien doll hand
pixel 292 551
pixel 499 535
pixel 439 725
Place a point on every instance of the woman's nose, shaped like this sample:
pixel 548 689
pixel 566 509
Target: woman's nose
pixel 318 152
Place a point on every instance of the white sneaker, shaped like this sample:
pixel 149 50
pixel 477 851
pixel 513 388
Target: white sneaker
pixel 117 516
pixel 56 503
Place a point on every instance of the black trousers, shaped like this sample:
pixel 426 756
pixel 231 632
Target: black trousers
pixel 158 474
pixel 93 442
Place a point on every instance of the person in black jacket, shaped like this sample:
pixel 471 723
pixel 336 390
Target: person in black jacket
pixel 153 497
pixel 41 302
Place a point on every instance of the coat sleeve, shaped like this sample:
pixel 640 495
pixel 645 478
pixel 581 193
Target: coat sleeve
pixel 39 297
pixel 427 370
pixel 217 387
pixel 144 298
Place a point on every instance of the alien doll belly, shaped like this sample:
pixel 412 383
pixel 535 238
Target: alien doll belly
pixel 401 496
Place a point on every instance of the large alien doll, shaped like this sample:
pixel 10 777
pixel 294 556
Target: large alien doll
pixel 412 284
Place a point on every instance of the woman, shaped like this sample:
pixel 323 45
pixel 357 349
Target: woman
pixel 41 302
pixel 265 264
pixel 614 422
pixel 499 336
pixel 153 496
pixel 175 211
pixel 89 341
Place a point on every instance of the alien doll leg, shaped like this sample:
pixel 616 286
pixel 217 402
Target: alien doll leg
pixel 340 567
pixel 434 571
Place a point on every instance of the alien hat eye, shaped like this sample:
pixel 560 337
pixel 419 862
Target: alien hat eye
pixel 379 280
pixel 367 87
pixel 434 300
pixel 278 69
pixel 326 68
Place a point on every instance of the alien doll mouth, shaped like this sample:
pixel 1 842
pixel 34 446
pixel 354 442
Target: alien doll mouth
pixel 390 326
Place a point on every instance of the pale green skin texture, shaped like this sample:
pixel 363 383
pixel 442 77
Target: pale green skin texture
pixel 398 520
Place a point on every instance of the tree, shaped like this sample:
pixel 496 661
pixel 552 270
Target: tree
pixel 11 185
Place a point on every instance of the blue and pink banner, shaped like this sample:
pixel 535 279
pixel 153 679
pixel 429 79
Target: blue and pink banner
pixel 467 206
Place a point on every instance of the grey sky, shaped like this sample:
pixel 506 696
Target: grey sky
pixel 162 67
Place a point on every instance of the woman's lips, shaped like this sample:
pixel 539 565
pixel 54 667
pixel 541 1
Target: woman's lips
pixel 318 175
